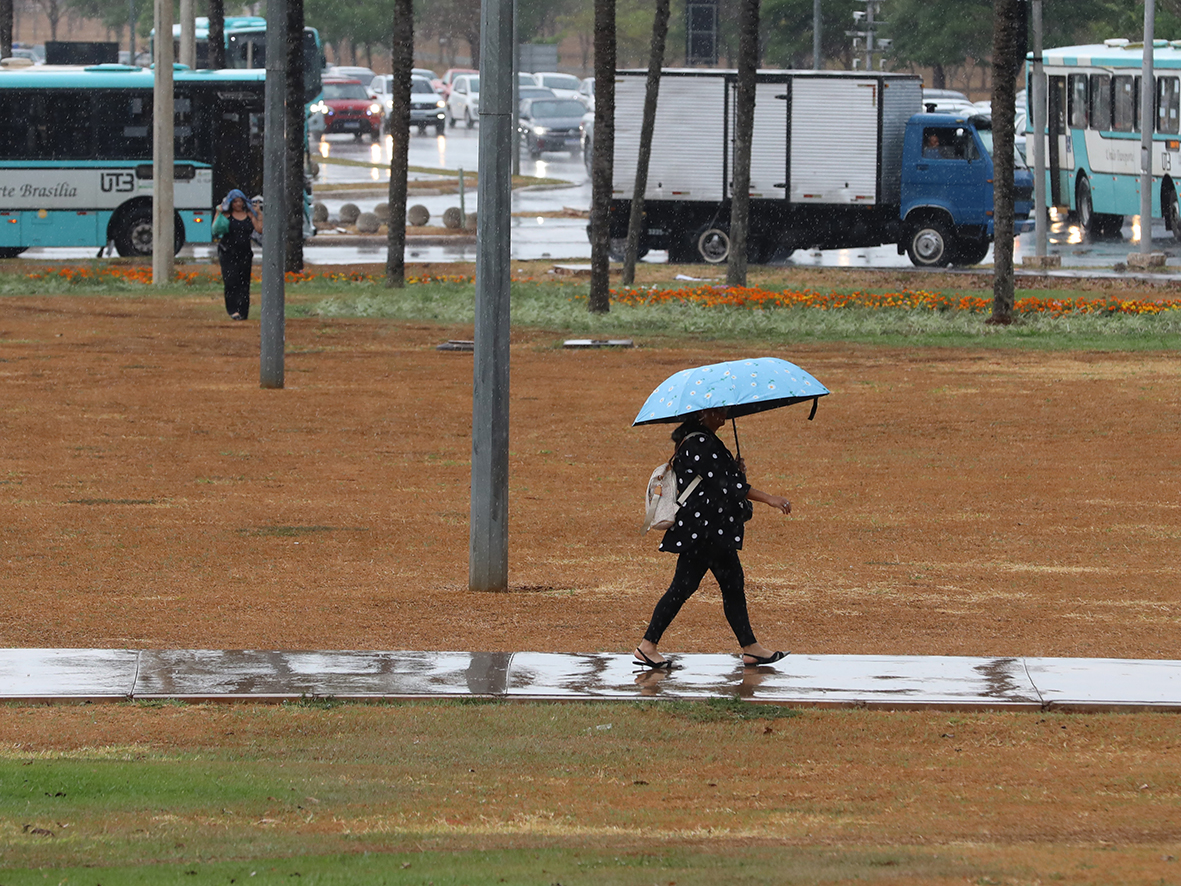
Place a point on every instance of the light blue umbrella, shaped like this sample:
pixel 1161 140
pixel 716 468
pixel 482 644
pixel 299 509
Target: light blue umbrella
pixel 744 387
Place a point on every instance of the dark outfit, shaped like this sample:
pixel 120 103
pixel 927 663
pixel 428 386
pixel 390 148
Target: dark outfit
pixel 236 258
pixel 707 534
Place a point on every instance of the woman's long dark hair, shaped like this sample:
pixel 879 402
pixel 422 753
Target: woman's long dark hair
pixel 691 425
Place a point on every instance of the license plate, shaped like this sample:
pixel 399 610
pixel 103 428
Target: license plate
pixel 352 124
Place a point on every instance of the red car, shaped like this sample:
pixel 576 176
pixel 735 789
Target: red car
pixel 347 107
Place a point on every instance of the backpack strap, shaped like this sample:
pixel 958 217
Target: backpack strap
pixel 684 496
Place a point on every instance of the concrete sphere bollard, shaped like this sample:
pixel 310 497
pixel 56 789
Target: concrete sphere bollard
pixel 469 223
pixel 319 212
pixel 349 213
pixel 382 211
pixel 418 215
pixel 451 218
pixel 368 223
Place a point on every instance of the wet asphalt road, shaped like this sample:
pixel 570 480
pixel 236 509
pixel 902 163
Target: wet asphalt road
pixel 535 236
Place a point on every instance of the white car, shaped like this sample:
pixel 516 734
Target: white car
pixel 464 101
pixel 563 85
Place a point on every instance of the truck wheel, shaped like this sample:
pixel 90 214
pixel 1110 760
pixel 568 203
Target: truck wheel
pixel 713 244
pixel 930 245
pixel 11 251
pixel 971 252
pixel 1173 214
pixel 617 249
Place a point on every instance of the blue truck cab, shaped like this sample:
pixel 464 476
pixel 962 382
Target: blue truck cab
pixel 946 209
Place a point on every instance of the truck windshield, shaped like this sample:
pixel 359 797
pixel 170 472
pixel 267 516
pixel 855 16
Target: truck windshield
pixel 986 139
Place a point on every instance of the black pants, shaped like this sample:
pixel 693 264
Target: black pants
pixel 691 569
pixel 235 274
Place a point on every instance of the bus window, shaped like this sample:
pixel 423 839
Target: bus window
pixel 1101 101
pixel 1077 101
pixel 61 127
pixel 15 132
pixel 1123 105
pixel 1168 103
pixel 122 124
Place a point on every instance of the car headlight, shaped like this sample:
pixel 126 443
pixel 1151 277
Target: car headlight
pixel 440 104
pixel 540 130
pixel 319 107
pixel 374 108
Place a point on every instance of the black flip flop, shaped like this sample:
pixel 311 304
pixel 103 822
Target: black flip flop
pixel 761 660
pixel 644 660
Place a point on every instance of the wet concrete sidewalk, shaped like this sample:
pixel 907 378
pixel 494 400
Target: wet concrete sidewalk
pixel 887 682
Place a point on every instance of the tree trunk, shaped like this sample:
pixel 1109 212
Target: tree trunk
pixel 297 139
pixel 938 76
pixel 401 62
pixel 217 34
pixel 655 62
pixel 744 124
pixel 6 19
pixel 599 301
pixel 1005 43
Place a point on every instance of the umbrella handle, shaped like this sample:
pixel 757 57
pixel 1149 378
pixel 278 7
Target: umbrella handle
pixel 737 448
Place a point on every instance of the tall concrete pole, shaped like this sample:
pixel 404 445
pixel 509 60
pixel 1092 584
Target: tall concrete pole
pixel 488 547
pixel 163 148
pixel 1038 86
pixel 188 35
pixel 272 323
pixel 1147 125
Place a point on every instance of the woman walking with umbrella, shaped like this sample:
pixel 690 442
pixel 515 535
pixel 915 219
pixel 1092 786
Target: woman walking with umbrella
pixel 708 530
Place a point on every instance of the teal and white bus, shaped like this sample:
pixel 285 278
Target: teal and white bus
pixel 1093 132
pixel 76 153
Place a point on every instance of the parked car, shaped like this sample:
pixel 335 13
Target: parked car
pixel 563 85
pixel 448 78
pixel 464 101
pixel 346 106
pixel 586 92
pixel 551 124
pixel 352 72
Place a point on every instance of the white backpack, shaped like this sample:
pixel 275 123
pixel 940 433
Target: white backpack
pixel 662 499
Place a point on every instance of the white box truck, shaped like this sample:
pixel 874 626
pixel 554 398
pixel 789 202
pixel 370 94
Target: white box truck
pixel 838 159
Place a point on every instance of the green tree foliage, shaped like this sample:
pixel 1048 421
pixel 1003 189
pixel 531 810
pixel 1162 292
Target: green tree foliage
pixel 787 32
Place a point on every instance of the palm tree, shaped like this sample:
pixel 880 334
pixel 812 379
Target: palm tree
pixel 748 63
pixel 599 300
pixel 402 61
pixel 1006 40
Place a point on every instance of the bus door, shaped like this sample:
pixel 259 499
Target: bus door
pixel 1059 159
pixel 237 148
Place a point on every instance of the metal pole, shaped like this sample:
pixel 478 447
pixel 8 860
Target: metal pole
pixel 274 189
pixel 488 549
pixel 131 32
pixel 1041 221
pixel 163 152
pixel 1147 125
pixel 188 35
pixel 816 23
pixel 516 96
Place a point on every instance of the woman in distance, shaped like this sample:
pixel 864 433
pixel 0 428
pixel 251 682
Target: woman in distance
pixel 235 222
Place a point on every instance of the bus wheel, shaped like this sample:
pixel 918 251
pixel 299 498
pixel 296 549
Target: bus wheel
pixel 713 244
pixel 134 234
pixel 1082 203
pixel 930 245
pixel 11 251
